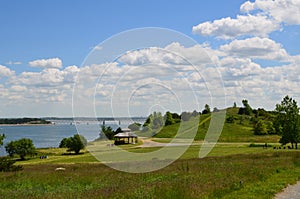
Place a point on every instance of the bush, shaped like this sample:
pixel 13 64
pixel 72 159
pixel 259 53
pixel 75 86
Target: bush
pixel 6 164
pixel 75 143
pixel 260 128
pixel 230 119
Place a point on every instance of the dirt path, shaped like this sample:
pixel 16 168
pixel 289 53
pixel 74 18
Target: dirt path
pixel 147 142
pixel 290 192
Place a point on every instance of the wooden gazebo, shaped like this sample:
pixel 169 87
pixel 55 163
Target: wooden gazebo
pixel 126 137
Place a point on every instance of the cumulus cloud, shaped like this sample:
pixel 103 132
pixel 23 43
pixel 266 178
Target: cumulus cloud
pixel 228 28
pixel 6 72
pixel 286 11
pixel 257 48
pixel 47 63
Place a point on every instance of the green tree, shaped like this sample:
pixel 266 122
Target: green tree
pixel 22 147
pixel 63 143
pixel 154 121
pixel 148 121
pixel 206 109
pixel 270 128
pixel 2 137
pixel 108 132
pixel 260 128
pixel 287 121
pixel 169 119
pixel 246 110
pixel 75 143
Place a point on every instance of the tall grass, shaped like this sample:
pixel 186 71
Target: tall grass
pixel 211 177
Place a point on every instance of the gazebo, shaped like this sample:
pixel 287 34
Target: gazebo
pixel 125 137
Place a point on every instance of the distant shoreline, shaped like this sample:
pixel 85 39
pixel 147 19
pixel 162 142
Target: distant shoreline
pixel 50 124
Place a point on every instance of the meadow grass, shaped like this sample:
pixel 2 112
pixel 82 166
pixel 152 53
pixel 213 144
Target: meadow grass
pixel 234 176
pixel 232 169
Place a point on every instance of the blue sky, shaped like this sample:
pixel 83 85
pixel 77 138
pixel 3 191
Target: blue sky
pixel 68 29
pixel 44 43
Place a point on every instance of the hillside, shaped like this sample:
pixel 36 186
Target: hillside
pixel 237 127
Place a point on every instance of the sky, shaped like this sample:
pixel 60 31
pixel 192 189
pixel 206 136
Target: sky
pixel 128 58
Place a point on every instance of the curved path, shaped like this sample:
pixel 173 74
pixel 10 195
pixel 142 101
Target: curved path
pixel 290 192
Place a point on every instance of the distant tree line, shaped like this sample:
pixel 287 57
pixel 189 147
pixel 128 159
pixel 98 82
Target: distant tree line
pixel 23 121
pixel 284 120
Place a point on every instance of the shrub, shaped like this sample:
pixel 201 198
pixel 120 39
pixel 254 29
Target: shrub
pixel 75 143
pixel 6 164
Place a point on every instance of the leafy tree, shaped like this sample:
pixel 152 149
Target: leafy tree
pixel 176 117
pixel 22 147
pixel 154 121
pixel 247 110
pixel 206 109
pixel 234 105
pixel 2 137
pixel 260 128
pixel 134 126
pixel 270 128
pixel 148 120
pixel 108 132
pixel 63 143
pixel 75 143
pixel 119 130
pixel 169 119
pixel 287 121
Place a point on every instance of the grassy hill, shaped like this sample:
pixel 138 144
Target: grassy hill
pixel 239 128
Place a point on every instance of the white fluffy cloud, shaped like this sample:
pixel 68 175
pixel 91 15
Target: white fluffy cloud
pixel 228 28
pixel 257 48
pixel 286 11
pixel 47 63
pixel 6 72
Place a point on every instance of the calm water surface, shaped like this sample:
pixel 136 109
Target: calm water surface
pixel 51 135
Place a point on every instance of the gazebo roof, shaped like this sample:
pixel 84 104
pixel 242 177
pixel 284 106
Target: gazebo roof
pixel 126 135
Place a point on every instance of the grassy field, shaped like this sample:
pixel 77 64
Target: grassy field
pixel 233 176
pixel 232 169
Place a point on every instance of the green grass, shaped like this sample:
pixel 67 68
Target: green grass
pixel 239 131
pixel 59 156
pixel 235 176
pixel 232 169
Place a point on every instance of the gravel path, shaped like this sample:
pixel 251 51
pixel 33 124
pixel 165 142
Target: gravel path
pixel 290 192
